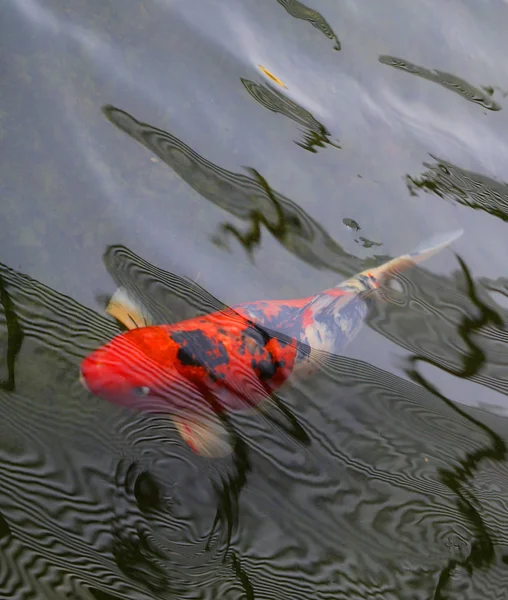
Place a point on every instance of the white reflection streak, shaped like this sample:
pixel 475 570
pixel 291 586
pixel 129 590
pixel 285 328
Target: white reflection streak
pixel 438 129
pixel 102 53
pixel 97 49
pixel 99 167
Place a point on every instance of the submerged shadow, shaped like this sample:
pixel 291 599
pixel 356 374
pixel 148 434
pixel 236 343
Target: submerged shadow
pixel 467 188
pixel 446 80
pixel 247 198
pixel 14 337
pixel 298 10
pixel 55 321
pixel 316 135
pixel 481 553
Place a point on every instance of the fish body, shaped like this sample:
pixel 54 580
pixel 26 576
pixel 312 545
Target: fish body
pixel 223 358
pixel 229 359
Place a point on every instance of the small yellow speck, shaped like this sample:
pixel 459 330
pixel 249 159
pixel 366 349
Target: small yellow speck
pixel 426 459
pixel 272 77
pixel 154 160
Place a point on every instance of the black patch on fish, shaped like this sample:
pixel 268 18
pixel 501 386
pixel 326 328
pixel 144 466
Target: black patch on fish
pixel 198 350
pixel 267 368
pixel 284 341
pixel 259 335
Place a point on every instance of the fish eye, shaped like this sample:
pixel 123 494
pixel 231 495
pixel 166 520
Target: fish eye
pixel 141 391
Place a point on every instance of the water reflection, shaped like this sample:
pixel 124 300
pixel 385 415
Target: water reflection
pixel 447 80
pixel 140 527
pixel 413 319
pixel 471 327
pixel 248 198
pixel 409 319
pixel 481 552
pixel 315 135
pixel 5 531
pixel 367 243
pixel 111 500
pixel 354 226
pixel 298 10
pixel 448 181
pixel 167 297
pixel 14 338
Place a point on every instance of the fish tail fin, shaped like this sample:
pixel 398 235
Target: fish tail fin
pixel 424 251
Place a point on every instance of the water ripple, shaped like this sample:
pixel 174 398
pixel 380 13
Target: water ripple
pixel 124 508
pixel 446 80
pixel 316 133
pixel 300 11
pixel 248 198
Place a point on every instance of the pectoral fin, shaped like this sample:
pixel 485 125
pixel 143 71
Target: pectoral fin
pixel 128 311
pixel 205 434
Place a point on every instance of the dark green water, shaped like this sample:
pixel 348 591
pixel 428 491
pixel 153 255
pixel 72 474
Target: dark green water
pixel 129 132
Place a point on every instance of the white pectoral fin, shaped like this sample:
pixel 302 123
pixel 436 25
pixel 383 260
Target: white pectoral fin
pixel 204 433
pixel 128 311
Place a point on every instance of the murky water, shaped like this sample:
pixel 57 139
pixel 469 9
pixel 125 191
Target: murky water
pixel 221 152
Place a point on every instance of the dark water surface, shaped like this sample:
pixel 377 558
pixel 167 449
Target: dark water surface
pixel 131 134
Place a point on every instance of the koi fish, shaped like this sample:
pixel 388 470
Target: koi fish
pixel 198 369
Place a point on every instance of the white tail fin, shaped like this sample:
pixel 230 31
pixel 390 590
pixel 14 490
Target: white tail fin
pixel 406 261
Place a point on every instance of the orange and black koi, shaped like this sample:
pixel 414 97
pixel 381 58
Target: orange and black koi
pixel 230 359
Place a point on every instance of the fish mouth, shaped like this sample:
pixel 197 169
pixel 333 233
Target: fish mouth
pixel 83 381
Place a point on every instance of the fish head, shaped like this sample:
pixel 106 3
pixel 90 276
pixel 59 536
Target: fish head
pixel 128 370
pixel 135 369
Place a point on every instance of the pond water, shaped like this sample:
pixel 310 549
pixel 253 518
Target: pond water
pixel 133 139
